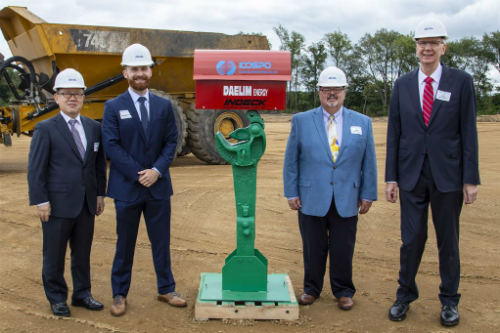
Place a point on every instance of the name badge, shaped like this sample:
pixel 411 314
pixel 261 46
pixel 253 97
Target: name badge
pixel 96 146
pixel 356 130
pixel 443 95
pixel 124 114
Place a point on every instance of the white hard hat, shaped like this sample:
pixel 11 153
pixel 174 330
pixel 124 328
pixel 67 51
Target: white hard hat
pixel 137 55
pixel 332 77
pixel 430 28
pixel 69 78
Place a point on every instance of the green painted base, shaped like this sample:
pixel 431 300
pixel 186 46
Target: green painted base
pixel 278 290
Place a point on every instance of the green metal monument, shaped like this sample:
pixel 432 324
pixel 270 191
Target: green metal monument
pixel 245 290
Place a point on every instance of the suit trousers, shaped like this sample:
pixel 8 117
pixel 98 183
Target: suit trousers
pixel 446 208
pixel 334 235
pixel 57 232
pixel 157 217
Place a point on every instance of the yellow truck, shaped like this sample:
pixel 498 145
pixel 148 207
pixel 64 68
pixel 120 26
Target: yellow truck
pixel 41 50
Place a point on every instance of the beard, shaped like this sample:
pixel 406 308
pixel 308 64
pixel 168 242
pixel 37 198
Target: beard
pixel 139 86
pixel 332 101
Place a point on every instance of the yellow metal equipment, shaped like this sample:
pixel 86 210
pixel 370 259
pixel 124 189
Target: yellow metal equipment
pixel 40 50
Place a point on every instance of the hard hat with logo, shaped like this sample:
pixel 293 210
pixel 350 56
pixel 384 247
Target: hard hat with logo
pixel 69 78
pixel 332 77
pixel 430 28
pixel 137 55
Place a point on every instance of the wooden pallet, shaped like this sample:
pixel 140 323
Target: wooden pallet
pixel 249 310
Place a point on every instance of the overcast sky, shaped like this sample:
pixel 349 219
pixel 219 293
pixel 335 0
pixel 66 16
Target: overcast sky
pixel 310 18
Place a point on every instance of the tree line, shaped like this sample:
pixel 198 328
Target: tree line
pixel 376 61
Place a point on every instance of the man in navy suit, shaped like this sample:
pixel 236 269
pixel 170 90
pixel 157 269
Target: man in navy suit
pixel 432 156
pixel 330 175
pixel 67 182
pixel 140 138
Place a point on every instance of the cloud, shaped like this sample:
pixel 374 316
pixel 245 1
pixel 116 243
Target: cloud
pixel 313 19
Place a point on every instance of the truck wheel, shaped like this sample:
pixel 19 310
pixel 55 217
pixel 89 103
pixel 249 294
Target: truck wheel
pixel 7 140
pixel 180 120
pixel 202 126
pixel 184 151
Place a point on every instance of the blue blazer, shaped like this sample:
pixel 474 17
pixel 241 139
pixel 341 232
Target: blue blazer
pixel 450 140
pixel 131 151
pixel 56 172
pixel 310 173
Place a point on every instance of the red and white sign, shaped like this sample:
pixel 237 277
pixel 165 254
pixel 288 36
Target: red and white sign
pixel 254 80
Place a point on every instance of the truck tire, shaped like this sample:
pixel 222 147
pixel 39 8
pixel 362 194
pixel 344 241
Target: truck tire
pixel 180 120
pixel 184 151
pixel 202 126
pixel 7 140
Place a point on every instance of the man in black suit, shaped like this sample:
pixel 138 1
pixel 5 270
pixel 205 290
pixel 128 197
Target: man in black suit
pixel 432 156
pixel 67 182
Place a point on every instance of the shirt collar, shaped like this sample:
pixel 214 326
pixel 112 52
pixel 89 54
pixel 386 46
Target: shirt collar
pixel 338 115
pixel 135 96
pixel 68 118
pixel 436 76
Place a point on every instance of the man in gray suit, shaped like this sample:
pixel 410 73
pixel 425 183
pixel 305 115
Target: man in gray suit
pixel 330 175
pixel 432 157
pixel 67 182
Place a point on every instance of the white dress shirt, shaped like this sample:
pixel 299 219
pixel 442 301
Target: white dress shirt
pixel 135 98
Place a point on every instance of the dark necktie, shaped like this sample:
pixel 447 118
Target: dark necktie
pixel 144 115
pixel 428 100
pixel 76 137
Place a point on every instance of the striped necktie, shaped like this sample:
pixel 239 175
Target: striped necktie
pixel 76 137
pixel 332 138
pixel 428 100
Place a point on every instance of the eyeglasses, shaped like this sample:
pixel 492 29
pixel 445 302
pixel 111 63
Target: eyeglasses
pixel 332 90
pixel 67 95
pixel 431 43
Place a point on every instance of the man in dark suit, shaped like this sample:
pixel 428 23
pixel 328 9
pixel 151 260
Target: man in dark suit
pixel 330 175
pixel 67 182
pixel 140 138
pixel 432 156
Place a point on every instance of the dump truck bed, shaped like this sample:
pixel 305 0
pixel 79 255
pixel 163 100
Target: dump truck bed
pixel 82 47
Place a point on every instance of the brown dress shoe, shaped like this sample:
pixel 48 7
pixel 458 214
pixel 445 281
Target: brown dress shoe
pixel 173 299
pixel 346 303
pixel 306 299
pixel 119 306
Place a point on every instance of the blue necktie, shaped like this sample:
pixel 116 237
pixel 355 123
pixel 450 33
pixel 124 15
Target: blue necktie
pixel 144 115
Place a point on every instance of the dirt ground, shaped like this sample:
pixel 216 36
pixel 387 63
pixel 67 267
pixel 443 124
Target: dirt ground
pixel 203 234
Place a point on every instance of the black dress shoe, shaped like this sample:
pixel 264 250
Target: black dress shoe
pixel 398 311
pixel 449 315
pixel 89 303
pixel 60 309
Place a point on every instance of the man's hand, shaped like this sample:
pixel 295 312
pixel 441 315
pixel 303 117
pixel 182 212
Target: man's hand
pixel 470 193
pixel 43 212
pixel 391 192
pixel 100 205
pixel 295 204
pixel 148 177
pixel 364 206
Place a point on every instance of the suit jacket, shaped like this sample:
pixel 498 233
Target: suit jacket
pixel 450 140
pixel 56 172
pixel 131 151
pixel 310 173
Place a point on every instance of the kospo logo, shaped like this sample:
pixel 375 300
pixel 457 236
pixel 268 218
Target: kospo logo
pixel 226 67
pixel 255 65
